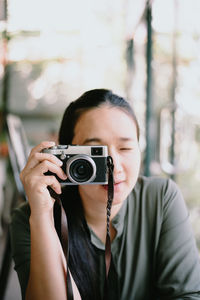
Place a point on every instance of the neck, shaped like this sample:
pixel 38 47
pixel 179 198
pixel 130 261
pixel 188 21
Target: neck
pixel 96 216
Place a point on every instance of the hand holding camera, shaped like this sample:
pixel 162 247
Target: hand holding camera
pixel 35 182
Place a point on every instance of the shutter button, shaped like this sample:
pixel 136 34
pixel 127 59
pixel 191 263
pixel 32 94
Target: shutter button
pixel 63 156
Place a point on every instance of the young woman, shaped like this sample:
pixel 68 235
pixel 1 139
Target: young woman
pixel 154 254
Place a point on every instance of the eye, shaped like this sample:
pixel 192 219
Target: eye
pixel 126 148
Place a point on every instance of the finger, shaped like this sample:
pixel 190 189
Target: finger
pixel 52 182
pixel 40 169
pixel 41 146
pixel 46 166
pixel 38 157
pixel 39 184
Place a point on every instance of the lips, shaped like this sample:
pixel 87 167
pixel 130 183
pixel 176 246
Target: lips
pixel 116 185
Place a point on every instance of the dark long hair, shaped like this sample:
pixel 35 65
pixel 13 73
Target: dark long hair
pixel 83 258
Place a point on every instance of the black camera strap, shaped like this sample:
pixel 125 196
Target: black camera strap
pixel 65 237
pixel 65 246
pixel 108 241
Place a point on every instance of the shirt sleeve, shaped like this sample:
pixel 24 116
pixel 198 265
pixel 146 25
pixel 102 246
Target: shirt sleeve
pixel 20 244
pixel 178 264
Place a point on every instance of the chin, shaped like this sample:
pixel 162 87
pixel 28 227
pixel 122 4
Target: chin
pixel 120 193
pixel 119 189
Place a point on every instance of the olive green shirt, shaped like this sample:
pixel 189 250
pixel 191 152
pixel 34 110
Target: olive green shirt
pixel 154 254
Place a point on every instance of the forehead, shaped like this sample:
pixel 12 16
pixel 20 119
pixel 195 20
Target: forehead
pixel 105 122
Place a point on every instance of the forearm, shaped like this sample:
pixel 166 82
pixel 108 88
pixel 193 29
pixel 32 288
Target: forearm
pixel 47 278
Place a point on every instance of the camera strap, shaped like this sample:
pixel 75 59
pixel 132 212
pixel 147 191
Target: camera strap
pixel 110 166
pixel 65 238
pixel 65 246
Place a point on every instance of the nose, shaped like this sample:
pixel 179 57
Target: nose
pixel 118 166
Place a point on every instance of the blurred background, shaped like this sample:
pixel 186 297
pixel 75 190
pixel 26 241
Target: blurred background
pixel 53 51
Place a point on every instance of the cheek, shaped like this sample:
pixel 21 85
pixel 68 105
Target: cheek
pixel 133 165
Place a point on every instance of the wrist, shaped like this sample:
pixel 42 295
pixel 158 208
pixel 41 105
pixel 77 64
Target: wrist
pixel 45 218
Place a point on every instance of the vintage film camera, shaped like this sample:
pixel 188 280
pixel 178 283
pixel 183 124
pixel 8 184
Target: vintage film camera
pixel 82 164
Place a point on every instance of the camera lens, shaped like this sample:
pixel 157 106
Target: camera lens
pixel 81 169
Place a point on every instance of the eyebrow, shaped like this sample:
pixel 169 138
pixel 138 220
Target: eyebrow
pixel 97 140
pixel 92 140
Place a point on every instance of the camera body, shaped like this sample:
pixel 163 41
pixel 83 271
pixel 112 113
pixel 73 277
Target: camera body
pixel 82 164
